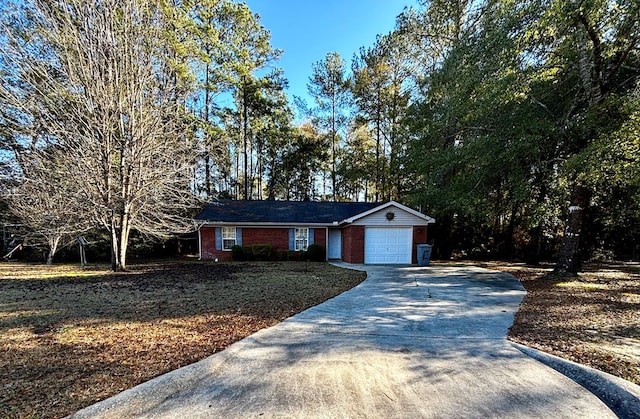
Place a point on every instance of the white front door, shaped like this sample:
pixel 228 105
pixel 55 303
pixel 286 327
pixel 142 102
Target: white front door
pixel 387 245
pixel 335 244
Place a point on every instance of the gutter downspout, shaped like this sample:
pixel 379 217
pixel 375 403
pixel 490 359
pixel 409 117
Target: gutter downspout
pixel 198 226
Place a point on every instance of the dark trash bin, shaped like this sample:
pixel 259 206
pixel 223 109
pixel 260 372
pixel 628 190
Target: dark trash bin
pixel 424 254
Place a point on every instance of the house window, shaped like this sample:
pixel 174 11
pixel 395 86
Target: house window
pixel 302 239
pixel 228 237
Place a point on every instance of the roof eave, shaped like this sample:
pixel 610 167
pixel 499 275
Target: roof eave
pixel 263 224
pixel 428 219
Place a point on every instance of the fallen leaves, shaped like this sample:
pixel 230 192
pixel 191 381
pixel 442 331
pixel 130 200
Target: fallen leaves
pixel 71 339
pixel 593 319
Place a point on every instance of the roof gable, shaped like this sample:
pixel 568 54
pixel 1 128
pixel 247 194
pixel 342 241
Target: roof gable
pixel 391 205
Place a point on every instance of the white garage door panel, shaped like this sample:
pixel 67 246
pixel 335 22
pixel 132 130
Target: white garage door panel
pixel 387 245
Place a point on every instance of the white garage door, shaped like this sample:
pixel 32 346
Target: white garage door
pixel 387 245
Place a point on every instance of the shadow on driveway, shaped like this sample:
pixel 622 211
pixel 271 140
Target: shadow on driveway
pixel 407 342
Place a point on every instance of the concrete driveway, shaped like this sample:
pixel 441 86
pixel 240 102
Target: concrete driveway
pixel 408 342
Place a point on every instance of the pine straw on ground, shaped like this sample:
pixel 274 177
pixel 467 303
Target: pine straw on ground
pixel 592 319
pixel 70 337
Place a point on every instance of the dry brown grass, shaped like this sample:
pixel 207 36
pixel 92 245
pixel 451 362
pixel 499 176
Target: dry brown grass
pixel 71 337
pixel 593 319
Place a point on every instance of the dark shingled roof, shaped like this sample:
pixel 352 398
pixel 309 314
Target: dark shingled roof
pixel 299 212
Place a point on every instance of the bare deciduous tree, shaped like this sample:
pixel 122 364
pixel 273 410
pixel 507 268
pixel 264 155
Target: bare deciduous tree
pixel 46 204
pixel 108 95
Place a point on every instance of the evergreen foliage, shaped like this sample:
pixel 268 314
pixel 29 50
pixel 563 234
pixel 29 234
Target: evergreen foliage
pixel 315 253
pixel 514 123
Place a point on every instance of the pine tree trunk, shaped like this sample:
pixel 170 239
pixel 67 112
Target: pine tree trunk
pixel 569 255
pixel 207 175
pixel 245 139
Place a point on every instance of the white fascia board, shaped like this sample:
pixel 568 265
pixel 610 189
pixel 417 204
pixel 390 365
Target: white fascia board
pixel 428 219
pixel 264 225
pixel 198 224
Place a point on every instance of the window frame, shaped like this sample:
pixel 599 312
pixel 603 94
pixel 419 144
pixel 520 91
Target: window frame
pixel 226 239
pixel 301 241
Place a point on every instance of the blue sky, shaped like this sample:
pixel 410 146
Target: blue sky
pixel 309 29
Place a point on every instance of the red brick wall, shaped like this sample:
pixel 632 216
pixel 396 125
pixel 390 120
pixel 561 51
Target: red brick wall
pixel 278 238
pixel 353 244
pixel 208 246
pixel 320 237
pixel 419 237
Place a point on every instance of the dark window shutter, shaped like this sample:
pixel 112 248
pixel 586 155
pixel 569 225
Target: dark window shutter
pixel 239 236
pixel 292 239
pixel 218 238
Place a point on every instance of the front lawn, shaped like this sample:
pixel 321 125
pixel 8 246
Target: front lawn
pixel 70 337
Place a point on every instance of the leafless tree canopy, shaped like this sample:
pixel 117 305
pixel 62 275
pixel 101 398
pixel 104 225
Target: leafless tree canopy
pixel 46 203
pixel 111 101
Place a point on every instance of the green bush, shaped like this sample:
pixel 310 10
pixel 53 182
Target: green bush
pixel 247 253
pixel 315 253
pixel 295 255
pixel 237 253
pixel 261 251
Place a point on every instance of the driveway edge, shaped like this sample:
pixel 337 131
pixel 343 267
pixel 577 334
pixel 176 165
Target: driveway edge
pixel 620 395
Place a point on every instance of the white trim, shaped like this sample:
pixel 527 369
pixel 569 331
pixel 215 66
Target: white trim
pixel 264 225
pixel 222 238
pixel 428 219
pixel 296 239
pixel 326 244
pixel 198 226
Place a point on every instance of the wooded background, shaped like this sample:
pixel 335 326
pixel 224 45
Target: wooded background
pixel 516 124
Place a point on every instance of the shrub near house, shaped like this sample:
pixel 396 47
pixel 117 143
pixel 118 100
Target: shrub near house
pixel 314 253
pixel 255 252
pixel 355 232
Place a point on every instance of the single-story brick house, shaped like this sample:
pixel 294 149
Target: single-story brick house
pixel 355 232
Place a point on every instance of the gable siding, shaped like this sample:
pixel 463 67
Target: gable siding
pixel 402 218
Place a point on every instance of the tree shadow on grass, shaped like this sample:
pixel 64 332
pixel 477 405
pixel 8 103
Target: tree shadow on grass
pixel 74 340
pixel 306 367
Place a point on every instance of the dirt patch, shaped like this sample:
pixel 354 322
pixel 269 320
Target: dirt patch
pixel 592 319
pixel 71 337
